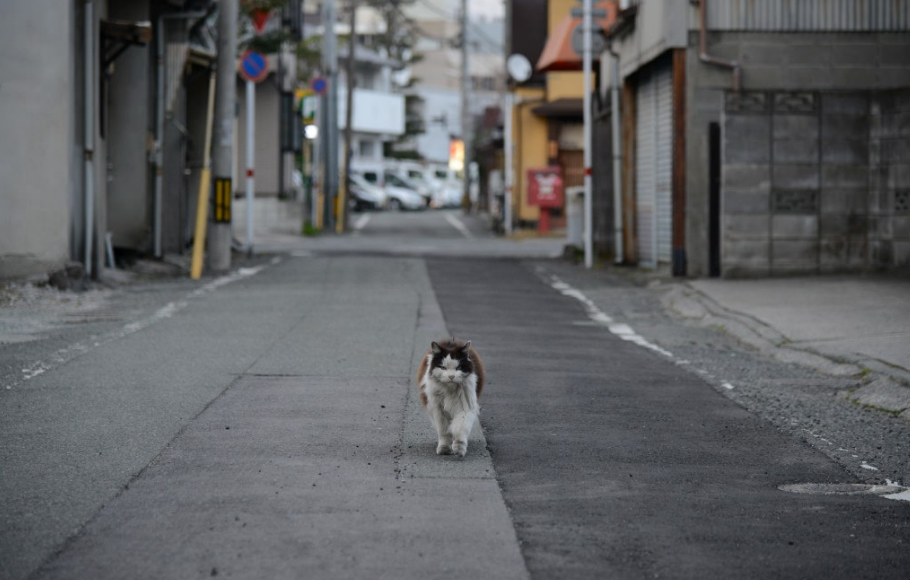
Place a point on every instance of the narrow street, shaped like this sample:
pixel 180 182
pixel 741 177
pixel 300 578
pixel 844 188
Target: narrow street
pixel 265 424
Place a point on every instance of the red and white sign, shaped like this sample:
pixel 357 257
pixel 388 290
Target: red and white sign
pixel 545 187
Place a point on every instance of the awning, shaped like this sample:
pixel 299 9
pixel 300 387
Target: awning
pixel 561 109
pixel 558 53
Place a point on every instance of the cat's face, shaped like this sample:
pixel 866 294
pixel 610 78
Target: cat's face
pixel 451 365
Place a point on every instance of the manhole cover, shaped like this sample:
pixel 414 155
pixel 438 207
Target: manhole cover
pixel 841 488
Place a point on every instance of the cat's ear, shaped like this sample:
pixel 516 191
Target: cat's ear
pixel 466 347
pixel 435 348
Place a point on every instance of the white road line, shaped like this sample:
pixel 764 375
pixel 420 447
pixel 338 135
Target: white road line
pixel 623 331
pixel 456 223
pixel 361 222
pixel 80 348
pixel 900 496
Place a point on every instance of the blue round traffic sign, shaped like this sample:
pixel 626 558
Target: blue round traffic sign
pixel 254 67
pixel 319 85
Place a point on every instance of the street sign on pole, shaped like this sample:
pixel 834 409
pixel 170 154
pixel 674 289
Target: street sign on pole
pixel 306 104
pixel 319 85
pixel 259 17
pixel 598 42
pixel 254 67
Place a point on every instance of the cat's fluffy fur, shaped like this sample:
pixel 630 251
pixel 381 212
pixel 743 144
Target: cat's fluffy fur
pixel 451 377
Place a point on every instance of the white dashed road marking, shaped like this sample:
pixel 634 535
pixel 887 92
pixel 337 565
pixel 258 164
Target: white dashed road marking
pixel 456 223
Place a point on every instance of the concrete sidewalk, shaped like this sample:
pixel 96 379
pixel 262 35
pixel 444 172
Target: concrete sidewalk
pixel 841 325
pixel 261 424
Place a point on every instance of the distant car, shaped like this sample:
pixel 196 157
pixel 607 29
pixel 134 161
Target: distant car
pixel 398 182
pixel 365 195
pixel 448 189
pixel 403 198
pixel 448 195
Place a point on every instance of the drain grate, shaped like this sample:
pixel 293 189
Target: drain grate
pixel 841 488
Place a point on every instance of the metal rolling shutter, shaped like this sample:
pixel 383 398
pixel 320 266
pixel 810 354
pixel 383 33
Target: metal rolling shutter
pixel 654 166
pixel 645 140
pixel 664 163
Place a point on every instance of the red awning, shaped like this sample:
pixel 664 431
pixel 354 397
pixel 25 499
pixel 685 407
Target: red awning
pixel 557 53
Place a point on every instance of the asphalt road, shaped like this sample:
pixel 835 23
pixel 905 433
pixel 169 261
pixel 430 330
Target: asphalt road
pixel 617 463
pixel 263 424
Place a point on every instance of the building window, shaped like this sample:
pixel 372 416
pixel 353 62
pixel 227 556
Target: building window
pixel 366 149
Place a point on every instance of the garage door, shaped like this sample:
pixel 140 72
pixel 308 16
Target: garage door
pixel 654 165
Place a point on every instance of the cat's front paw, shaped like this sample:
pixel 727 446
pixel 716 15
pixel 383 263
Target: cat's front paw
pixel 460 448
pixel 443 449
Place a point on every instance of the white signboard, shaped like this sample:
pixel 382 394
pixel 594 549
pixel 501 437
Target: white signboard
pixel 374 112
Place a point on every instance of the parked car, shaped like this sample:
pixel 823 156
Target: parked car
pixel 448 195
pixel 365 195
pixel 395 182
pixel 447 188
pixel 420 177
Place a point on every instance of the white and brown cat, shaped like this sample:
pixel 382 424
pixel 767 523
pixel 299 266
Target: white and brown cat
pixel 451 378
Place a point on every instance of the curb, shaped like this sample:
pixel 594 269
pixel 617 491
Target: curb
pixel 879 389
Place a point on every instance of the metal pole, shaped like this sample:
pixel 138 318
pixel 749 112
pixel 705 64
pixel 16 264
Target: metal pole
pixel 617 164
pixel 465 112
pixel 348 121
pixel 316 181
pixel 509 166
pixel 330 69
pixel 586 72
pixel 250 160
pixel 219 242
pixel 283 122
pixel 159 137
pixel 205 182
pixel 89 136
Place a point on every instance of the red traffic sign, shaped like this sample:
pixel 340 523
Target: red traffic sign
pixel 259 17
pixel 254 67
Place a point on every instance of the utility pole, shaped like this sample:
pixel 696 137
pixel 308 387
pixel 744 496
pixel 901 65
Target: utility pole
pixel 465 112
pixel 219 241
pixel 330 108
pixel 586 71
pixel 348 119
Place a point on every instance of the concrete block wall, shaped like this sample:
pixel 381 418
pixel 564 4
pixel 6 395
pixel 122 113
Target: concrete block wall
pixel 746 186
pixel 889 180
pixel 844 181
pixel 826 64
pixel 815 182
pixel 795 174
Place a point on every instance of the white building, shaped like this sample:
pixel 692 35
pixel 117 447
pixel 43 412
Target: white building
pixel 438 73
pixel 378 113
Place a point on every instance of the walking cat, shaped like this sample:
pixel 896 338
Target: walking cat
pixel 451 377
